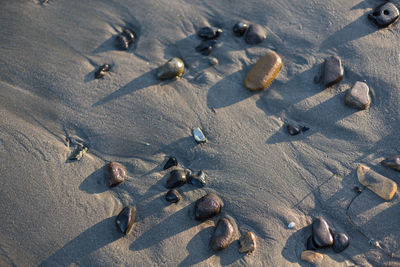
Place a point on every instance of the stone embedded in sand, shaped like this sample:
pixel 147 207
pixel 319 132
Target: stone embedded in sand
pixel 116 174
pixel 197 179
pixel 198 136
pixel 263 72
pixel 310 244
pixel 256 34
pixel 340 242
pixel 208 33
pixel 240 28
pixel 248 243
pixel 171 162
pixel 125 219
pixel 321 234
pixel 206 47
pixel 126 38
pixel 392 162
pixel 333 71
pixel 101 71
pixel 293 129
pixel 208 206
pixel 223 235
pixel 176 178
pixel 171 69
pixel 311 256
pixel 358 96
pixel 173 196
pixel 379 184
pixel 384 15
pixel 78 153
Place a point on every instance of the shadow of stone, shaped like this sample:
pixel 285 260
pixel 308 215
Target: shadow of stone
pixel 294 246
pixel 96 182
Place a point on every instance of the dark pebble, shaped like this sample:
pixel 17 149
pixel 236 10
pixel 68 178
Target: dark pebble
pixel 240 28
pixel 116 174
pixel 310 244
pixel 125 219
pixel 101 71
pixel 293 130
pixel 384 15
pixel 340 242
pixel 357 190
pixel 197 179
pixel 392 162
pixel 173 196
pixel 126 38
pixel 333 71
pixel 207 206
pixel 176 178
pixel 321 234
pixel 206 47
pixel 256 34
pixel 171 162
pixel 223 235
pixel 209 33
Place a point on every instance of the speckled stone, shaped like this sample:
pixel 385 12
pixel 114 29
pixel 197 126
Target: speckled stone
pixel 384 15
pixel 256 34
pixel 321 234
pixel 333 71
pixel 171 69
pixel 208 206
pixel 116 174
pixel 223 235
pixel 358 96
pixel 248 242
pixel 125 219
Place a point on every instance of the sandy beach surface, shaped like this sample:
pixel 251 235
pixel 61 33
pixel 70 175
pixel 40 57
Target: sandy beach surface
pixel 55 212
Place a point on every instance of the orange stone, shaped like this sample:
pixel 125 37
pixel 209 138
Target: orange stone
pixel 311 256
pixel 263 72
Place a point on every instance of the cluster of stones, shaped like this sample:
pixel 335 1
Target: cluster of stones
pixel 255 33
pixel 209 36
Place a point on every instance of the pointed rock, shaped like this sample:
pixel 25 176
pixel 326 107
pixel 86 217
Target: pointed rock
pixel 223 235
pixel 125 219
pixel 171 162
pixel 392 162
pixel 358 96
pixel 333 71
pixel 208 206
pixel 321 234
pixel 248 243
pixel 116 174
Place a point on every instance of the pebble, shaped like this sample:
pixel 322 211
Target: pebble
pixel 311 256
pixel 358 96
pixel 125 39
pixel 171 69
pixel 293 129
pixel 333 71
pixel 198 179
pixel 176 178
pixel 384 15
pixel 171 162
pixel 198 136
pixel 173 196
pixel 208 206
pixel 256 34
pixel 321 234
pixel 240 28
pixel 78 153
pixel 291 225
pixel 340 242
pixel 310 244
pixel 206 47
pixel 116 174
pixel 379 184
pixel 213 61
pixel 125 219
pixel 392 162
pixel 101 71
pixel 208 33
pixel 248 242
pixel 263 72
pixel 223 235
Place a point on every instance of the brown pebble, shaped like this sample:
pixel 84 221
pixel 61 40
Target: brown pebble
pixel 116 174
pixel 208 206
pixel 311 256
pixel 223 235
pixel 248 243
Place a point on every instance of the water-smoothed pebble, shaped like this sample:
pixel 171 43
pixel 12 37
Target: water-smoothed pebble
pixel 293 129
pixel 333 71
pixel 176 178
pixel 78 153
pixel 311 256
pixel 256 34
pixel 310 243
pixel 392 162
pixel 321 234
pixel 101 71
pixel 198 136
pixel 171 162
pixel 340 242
pixel 358 96
pixel 125 219
pixel 291 225
pixel 208 206
pixel 248 242
pixel 213 61
pixel 206 47
pixel 116 174
pixel 208 33
pixel 384 15
pixel 173 196
pixel 171 69
pixel 197 179
pixel 223 235
pixel 125 39
pixel 240 28
pixel 263 72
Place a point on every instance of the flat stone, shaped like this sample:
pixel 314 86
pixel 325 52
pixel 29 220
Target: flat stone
pixel 125 219
pixel 358 96
pixel 208 33
pixel 321 234
pixel 293 129
pixel 208 206
pixel 173 196
pixel 176 178
pixel 198 136
pixel 197 179
pixel 379 184
pixel 240 28
pixel 333 71
pixel 263 72
pixel 392 162
pixel 340 242
pixel 116 174
pixel 310 244
pixel 256 34
pixel 384 15
pixel 171 162
pixel 223 235
pixel 248 242
pixel 171 69
pixel 311 256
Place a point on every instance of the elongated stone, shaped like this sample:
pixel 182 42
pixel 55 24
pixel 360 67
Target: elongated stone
pixel 333 71
pixel 358 96
pixel 392 162
pixel 208 206
pixel 125 219
pixel 208 33
pixel 321 234
pixel 311 256
pixel 116 174
pixel 263 72
pixel 379 184
pixel 248 242
pixel 223 235
pixel 171 69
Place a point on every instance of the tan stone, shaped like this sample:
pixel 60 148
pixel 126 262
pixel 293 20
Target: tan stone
pixel 379 184
pixel 263 72
pixel 247 243
pixel 311 256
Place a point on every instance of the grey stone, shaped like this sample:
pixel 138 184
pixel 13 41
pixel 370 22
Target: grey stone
pixel 256 34
pixel 333 71
pixel 384 15
pixel 358 96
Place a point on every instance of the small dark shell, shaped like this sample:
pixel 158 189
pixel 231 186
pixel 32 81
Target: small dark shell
pixel 116 174
pixel 176 178
pixel 392 162
pixel 198 179
pixel 240 28
pixel 173 196
pixel 125 39
pixel 223 235
pixel 310 244
pixel 208 33
pixel 101 71
pixel 125 219
pixel 171 162
pixel 340 242
pixel 293 129
pixel 206 47
pixel 207 206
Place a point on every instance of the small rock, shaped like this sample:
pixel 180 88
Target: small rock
pixel 340 242
pixel 208 33
pixel 171 69
pixel 248 243
pixel 291 225
pixel 357 190
pixel 321 234
pixel 379 184
pixel 116 174
pixel 125 219
pixel 171 162
pixel 311 256
pixel 101 71
pixel 198 136
pixel 263 72
pixel 125 39
pixel 310 244
pixel 333 71
pixel 213 61
pixel 208 206
pixel 198 179
pixel 206 47
pixel 173 196
pixel 176 178
pixel 78 153
pixel 256 34
pixel 240 28
pixel 392 162
pixel 293 129
pixel 358 96
pixel 384 15
pixel 223 235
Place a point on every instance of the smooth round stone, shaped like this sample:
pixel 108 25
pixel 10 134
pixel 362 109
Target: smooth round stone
pixel 116 174
pixel 223 235
pixel 248 242
pixel 171 162
pixel 208 206
pixel 101 71
pixel 197 179
pixel 208 33
pixel 263 72
pixel 176 178
pixel 125 219
pixel 240 28
pixel 384 15
pixel 392 162
pixel 293 129
pixel 256 34
pixel 311 256
pixel 321 234
pixel 358 96
pixel 310 244
pixel 171 69
pixel 340 242
pixel 206 47
pixel 213 61
pixel 173 196
pixel 333 71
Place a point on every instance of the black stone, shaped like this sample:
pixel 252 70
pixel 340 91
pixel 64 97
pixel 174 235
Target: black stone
pixel 384 15
pixel 240 28
pixel 173 196
pixel 206 47
pixel 321 234
pixel 198 179
pixel 208 206
pixel 392 162
pixel 125 39
pixel 208 33
pixel 340 242
pixel 176 178
pixel 310 244
pixel 256 34
pixel 293 129
pixel 333 71
pixel 101 71
pixel 357 190
pixel 125 219
pixel 223 235
pixel 171 162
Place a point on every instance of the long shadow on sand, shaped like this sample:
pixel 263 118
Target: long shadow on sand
pixel 95 183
